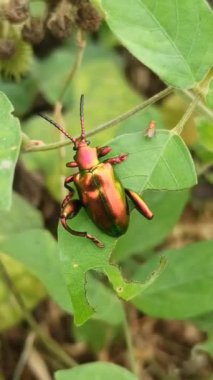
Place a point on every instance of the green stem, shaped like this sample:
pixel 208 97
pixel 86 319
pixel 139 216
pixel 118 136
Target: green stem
pixel 207 111
pixel 79 56
pixel 48 342
pixel 108 124
pixel 179 127
pixel 129 344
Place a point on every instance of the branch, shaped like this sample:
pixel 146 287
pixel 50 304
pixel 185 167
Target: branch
pixel 180 125
pixel 108 124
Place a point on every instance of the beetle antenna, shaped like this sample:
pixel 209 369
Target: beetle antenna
pixel 82 117
pixel 58 127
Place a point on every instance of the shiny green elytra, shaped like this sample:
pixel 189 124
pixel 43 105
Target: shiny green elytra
pixel 100 191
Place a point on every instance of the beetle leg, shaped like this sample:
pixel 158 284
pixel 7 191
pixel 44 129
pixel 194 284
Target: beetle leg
pixel 140 205
pixel 67 181
pixel 71 164
pixel 67 198
pixel 102 151
pixel 117 160
pixel 69 211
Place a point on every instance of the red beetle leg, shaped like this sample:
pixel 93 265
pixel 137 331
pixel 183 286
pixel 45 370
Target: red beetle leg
pixel 71 164
pixel 117 160
pixel 67 181
pixel 103 151
pixel 67 198
pixel 69 211
pixel 140 205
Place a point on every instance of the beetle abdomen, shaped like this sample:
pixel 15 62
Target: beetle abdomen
pixel 104 199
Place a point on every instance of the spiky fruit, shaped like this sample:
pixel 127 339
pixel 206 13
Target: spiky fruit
pixel 88 18
pixel 33 31
pixel 62 19
pixel 17 64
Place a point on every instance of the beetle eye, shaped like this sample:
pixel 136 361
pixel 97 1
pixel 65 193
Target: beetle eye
pixel 88 142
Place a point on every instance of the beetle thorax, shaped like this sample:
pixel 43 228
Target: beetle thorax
pixel 86 157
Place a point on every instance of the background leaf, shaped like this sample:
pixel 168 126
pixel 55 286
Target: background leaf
pixel 29 287
pixel 97 371
pixel 79 256
pixel 171 38
pixel 142 234
pixel 184 289
pixel 10 140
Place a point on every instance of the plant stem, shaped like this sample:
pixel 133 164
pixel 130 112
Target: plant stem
pixel 207 111
pixel 180 125
pixel 201 169
pixel 79 56
pixel 129 344
pixel 108 124
pixel 47 341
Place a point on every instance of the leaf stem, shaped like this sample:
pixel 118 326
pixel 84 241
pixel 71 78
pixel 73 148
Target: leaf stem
pixel 180 125
pixel 47 341
pixel 207 111
pixel 129 344
pixel 108 124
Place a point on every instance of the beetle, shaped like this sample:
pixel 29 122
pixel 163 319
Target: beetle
pixel 99 189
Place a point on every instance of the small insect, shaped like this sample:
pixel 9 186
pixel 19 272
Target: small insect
pixel 150 131
pixel 100 191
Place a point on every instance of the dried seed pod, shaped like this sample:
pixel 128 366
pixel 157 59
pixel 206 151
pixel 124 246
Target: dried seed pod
pixel 88 18
pixel 16 11
pixel 62 20
pixel 33 31
pixel 7 48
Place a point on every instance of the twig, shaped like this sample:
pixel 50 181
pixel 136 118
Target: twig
pixel 24 356
pixel 48 342
pixel 201 169
pixel 108 124
pixel 180 125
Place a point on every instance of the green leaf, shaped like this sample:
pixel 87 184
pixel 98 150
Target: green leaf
pixel 48 163
pixel 209 96
pixel 184 289
pixel 205 134
pixel 79 256
pixel 107 306
pixel 22 94
pixel 159 170
pixel 22 216
pixel 142 234
pixel 171 38
pixel 204 321
pixel 100 77
pixel 10 140
pixel 37 250
pixel 161 163
pixel 97 371
pixel 52 73
pixel 206 346
pixel 28 286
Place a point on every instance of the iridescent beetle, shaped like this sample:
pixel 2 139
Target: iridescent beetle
pixel 100 191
